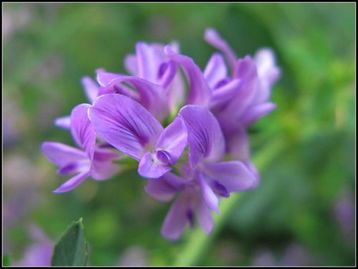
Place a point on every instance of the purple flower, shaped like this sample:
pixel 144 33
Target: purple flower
pixel 151 63
pixel 128 111
pixel 92 161
pixel 206 177
pixel 243 95
pixel 129 127
pixel 240 98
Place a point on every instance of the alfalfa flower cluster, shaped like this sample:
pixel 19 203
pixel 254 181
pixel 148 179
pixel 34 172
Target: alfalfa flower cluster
pixel 185 127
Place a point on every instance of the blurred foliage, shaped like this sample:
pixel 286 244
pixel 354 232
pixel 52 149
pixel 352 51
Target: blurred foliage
pixel 49 47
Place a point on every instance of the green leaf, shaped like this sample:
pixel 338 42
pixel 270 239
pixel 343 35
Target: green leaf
pixel 72 248
pixel 6 260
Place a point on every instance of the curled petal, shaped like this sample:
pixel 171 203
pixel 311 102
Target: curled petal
pixel 205 138
pixel 213 38
pixel 151 95
pixel 223 95
pixel 149 58
pixel 82 129
pixel 215 70
pixel 149 167
pixel 166 73
pixel 199 91
pixel 173 139
pixel 72 183
pixel 125 124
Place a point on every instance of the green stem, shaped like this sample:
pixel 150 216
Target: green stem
pixel 196 246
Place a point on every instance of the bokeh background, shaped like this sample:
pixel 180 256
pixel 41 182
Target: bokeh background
pixel 303 213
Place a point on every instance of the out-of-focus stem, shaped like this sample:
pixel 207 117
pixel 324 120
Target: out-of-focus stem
pixel 199 242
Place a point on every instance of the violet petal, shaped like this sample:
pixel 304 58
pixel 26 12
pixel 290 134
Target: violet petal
pixel 173 139
pixel 199 91
pixel 205 138
pixel 91 88
pixel 151 168
pixel 72 183
pixel 125 124
pixel 233 175
pixel 61 154
pixel 82 129
pixel 63 122
pixel 176 218
pixel 215 70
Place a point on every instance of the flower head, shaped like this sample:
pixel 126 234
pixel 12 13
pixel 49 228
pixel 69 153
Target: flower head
pixel 165 105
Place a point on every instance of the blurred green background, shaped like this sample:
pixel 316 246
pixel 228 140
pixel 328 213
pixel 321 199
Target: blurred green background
pixel 303 212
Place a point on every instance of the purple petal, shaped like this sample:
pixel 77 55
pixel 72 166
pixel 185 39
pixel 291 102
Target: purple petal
pixel 244 97
pixel 250 165
pixel 237 142
pixel 63 122
pixel 125 124
pixel 102 167
pixel 220 189
pixel 151 96
pixel 104 170
pixel 205 137
pixel 215 70
pixel 75 167
pixel 61 154
pixel 258 111
pixel 82 129
pixel 199 91
pixel 210 198
pixel 104 153
pixel 163 188
pixel 130 63
pixel 106 79
pixel 173 139
pixel 91 88
pixel 176 218
pixel 213 38
pixel 223 95
pixel 204 216
pixel 176 93
pixel 149 58
pixel 166 73
pixel 266 66
pixel 150 167
pixel 233 175
pixel 72 182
